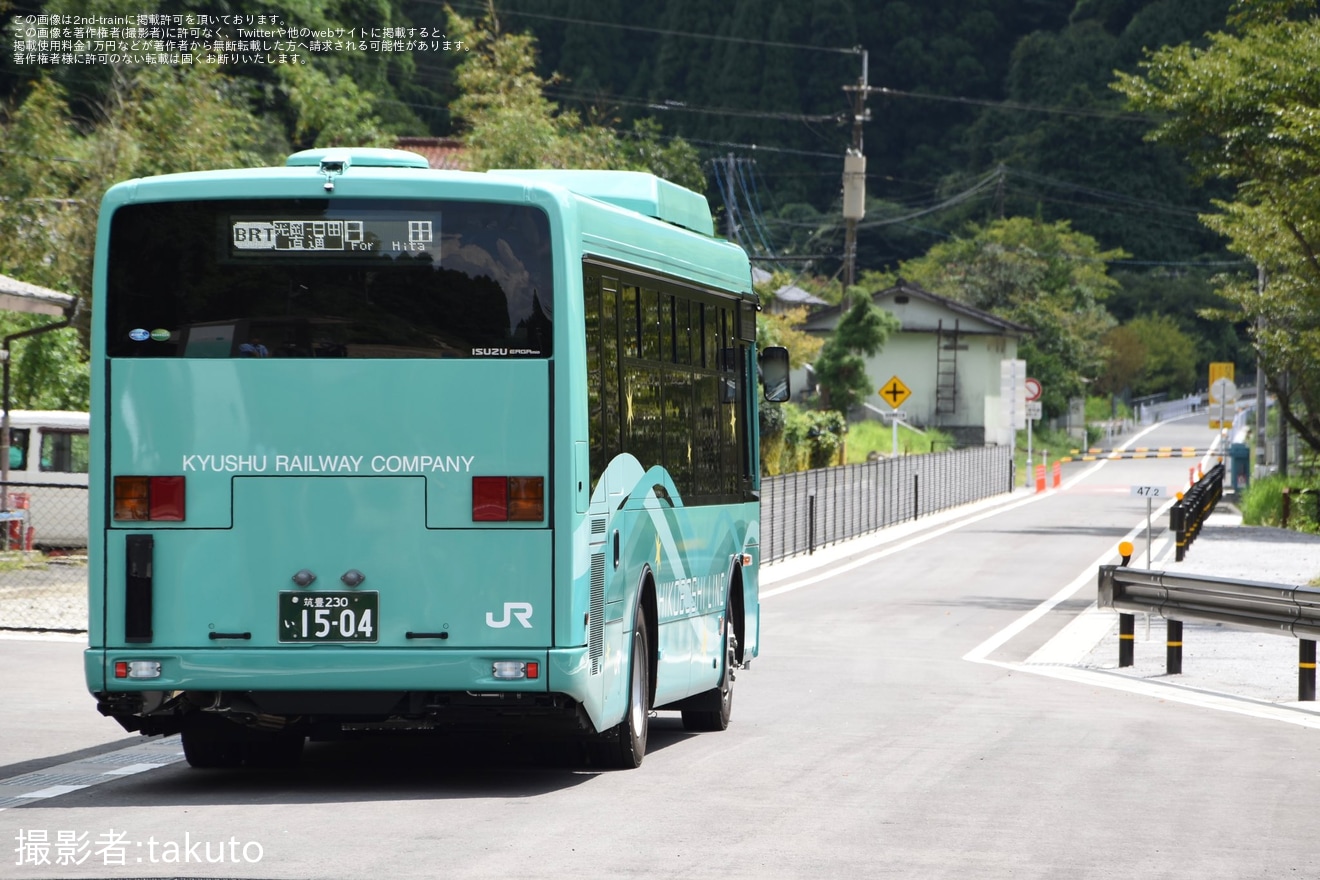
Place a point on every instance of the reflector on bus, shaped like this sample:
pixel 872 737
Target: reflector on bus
pixel 159 499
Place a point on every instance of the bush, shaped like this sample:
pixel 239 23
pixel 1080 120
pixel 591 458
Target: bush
pixel 826 437
pixel 794 439
pixel 1262 504
pixel 1100 409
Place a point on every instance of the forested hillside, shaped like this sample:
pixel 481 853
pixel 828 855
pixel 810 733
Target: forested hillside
pixel 969 85
pixel 979 110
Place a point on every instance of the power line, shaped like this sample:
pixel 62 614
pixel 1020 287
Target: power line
pixel 651 30
pixel 683 107
pixel 1014 105
pixel 1107 195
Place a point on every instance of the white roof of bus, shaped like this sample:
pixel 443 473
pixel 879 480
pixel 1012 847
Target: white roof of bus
pixel 31 418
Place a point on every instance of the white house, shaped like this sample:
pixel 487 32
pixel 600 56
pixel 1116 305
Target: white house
pixel 947 355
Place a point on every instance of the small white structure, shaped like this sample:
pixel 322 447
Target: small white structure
pixel 789 296
pixel 947 353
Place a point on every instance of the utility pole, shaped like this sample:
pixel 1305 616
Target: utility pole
pixel 854 179
pixel 1260 382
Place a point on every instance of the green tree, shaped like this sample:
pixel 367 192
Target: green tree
pixel 1045 276
pixel 1125 356
pixel 1246 109
pixel 1170 364
pixel 781 328
pixel 1191 298
pixel 154 120
pixel 512 124
pixel 841 365
pixel 330 114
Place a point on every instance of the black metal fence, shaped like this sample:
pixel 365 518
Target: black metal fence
pixel 43 528
pixel 803 511
pixel 1194 508
pixel 43 557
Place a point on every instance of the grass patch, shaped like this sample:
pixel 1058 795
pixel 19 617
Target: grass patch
pixel 1262 503
pixel 866 437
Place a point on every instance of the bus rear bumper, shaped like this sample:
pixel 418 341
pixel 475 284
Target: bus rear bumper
pixel 332 685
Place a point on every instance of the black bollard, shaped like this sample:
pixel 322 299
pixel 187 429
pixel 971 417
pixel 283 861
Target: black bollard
pixel 1173 649
pixel 1306 670
pixel 1127 634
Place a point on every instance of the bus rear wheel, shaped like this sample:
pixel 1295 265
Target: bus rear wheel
pixel 208 747
pixel 211 744
pixel 716 705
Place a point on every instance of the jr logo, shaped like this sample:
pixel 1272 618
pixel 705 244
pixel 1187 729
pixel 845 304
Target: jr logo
pixel 522 611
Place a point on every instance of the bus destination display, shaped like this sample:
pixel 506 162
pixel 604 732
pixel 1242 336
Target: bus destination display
pixel 359 236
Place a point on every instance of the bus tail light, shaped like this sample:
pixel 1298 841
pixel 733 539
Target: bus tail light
pixel 508 499
pixel 142 499
pixel 509 670
pixel 137 669
pixel 526 499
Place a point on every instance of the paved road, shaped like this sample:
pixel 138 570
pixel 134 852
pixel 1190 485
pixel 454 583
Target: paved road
pixel 894 726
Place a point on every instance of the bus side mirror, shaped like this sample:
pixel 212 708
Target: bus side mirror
pixel 774 374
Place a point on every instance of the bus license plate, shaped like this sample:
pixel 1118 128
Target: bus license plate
pixel 328 617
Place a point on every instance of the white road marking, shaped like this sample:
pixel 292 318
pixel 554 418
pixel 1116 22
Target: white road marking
pixel 1054 659
pixel 1058 657
pixel 134 768
pixel 52 791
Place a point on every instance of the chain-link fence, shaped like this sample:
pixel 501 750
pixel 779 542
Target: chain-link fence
pixel 809 509
pixel 43 557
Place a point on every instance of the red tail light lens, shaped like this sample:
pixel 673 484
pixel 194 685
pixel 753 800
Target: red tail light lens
pixel 166 499
pixel 490 499
pixel 157 499
pixel 508 499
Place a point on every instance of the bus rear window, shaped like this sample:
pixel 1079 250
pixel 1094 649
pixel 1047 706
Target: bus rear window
pixel 320 278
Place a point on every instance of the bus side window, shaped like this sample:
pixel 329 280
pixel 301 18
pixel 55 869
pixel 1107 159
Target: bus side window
pixel 18 449
pixel 64 452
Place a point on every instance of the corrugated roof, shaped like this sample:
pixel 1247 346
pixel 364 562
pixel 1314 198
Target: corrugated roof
pixel 446 154
pixel 789 293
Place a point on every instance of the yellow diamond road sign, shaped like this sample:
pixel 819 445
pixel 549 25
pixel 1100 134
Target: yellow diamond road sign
pixel 894 392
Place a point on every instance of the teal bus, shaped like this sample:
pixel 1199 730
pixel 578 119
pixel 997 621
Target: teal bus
pixel 381 447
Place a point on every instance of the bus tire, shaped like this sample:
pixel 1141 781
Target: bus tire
pixel 625 743
pixel 275 751
pixel 207 747
pixel 716 705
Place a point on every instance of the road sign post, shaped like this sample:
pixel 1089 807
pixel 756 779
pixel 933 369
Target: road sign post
pixel 894 392
pixel 1223 391
pixel 1150 493
pixel 1032 389
pixel 1028 450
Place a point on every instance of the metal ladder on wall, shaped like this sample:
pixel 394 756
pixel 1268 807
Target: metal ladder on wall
pixel 946 369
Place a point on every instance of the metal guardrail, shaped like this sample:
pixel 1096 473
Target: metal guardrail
pixel 807 510
pixel 1194 508
pixel 1276 609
